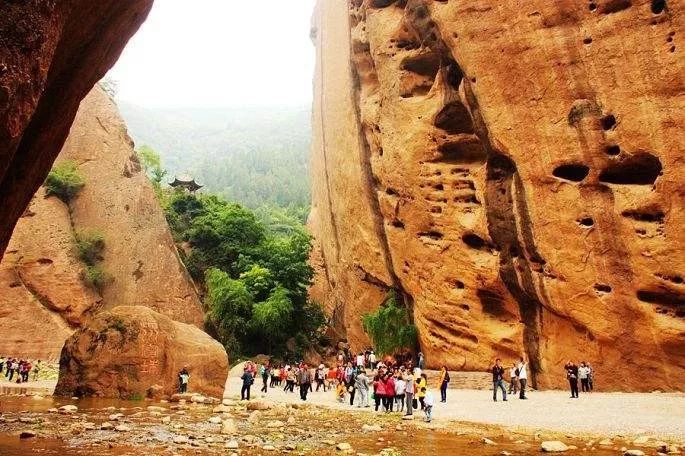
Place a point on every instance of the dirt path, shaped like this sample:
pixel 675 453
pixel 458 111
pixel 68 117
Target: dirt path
pixel 661 415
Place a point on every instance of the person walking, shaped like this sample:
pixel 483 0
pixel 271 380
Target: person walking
pixel 264 372
pixel 319 378
pixel 378 391
pixel 304 378
pixel 498 380
pixel 444 381
pixel 36 370
pixel 429 401
pixel 422 361
pixel 290 380
pixel 523 377
pixel 372 360
pixel 361 384
pixel 410 387
pixel 572 377
pixel 513 379
pixel 183 379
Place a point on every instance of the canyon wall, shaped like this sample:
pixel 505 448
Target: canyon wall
pixel 51 55
pixel 514 171
pixel 43 296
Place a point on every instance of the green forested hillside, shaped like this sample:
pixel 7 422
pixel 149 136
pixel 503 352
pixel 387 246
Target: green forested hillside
pixel 256 156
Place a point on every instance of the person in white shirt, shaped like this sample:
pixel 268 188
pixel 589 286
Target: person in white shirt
pixel 360 360
pixel 523 377
pixel 584 375
pixel 372 359
pixel 400 389
pixel 428 409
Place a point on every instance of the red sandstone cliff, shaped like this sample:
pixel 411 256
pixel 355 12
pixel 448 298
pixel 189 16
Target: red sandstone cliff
pixel 513 169
pixel 40 275
pixel 51 55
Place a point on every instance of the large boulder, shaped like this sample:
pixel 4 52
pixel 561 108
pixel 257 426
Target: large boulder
pixel 125 351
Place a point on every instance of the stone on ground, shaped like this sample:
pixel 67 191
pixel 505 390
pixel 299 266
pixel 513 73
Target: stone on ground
pixel 553 446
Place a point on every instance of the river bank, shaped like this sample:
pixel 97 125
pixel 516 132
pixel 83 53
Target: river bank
pixel 279 422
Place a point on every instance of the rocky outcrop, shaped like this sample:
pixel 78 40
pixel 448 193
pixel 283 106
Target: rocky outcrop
pixel 40 275
pixel 129 351
pixel 119 201
pixel 513 171
pixel 51 55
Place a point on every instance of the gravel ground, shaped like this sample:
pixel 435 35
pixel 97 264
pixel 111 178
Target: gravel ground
pixel 661 415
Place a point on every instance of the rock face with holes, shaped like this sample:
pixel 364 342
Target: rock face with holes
pixel 126 351
pixel 51 54
pixel 43 297
pixel 514 172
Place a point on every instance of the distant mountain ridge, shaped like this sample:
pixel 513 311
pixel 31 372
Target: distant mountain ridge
pixel 254 155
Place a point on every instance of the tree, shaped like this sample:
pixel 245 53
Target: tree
pixel 389 327
pixel 272 318
pixel 152 164
pixel 230 308
pixel 259 282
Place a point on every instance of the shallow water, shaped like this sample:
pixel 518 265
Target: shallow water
pixel 308 433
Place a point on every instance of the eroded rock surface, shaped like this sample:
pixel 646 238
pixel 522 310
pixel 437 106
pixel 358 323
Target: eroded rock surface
pixel 49 60
pixel 43 296
pixel 514 171
pixel 127 350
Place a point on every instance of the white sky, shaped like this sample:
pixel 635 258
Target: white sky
pixel 219 53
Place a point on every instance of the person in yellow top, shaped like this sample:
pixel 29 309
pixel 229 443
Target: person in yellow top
pixel 421 384
pixel 444 380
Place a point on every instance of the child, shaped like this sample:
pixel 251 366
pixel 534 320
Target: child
pixel 340 391
pixel 428 404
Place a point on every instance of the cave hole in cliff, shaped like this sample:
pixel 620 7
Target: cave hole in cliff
pixel 464 152
pixel 424 64
pixel 640 169
pixel 458 284
pixel 649 214
pixel 602 288
pixel 398 224
pixel 661 297
pixel 391 191
pixel 676 279
pixel 586 222
pixel 453 74
pixel 587 40
pixel 432 234
pixel 608 122
pixel 614 6
pixel 573 172
pixel 439 187
pixel 592 6
pixel 492 302
pixel 658 6
pixel 454 118
pixel 475 242
pixel 382 3
pixel 436 210
pixel 613 150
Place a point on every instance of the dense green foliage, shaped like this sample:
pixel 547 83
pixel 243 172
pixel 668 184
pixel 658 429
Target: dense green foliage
pixel 390 327
pixel 255 156
pixel 255 270
pixel 90 245
pixel 64 181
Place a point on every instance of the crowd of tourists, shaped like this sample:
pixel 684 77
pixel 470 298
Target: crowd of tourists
pixel 19 370
pixel 387 385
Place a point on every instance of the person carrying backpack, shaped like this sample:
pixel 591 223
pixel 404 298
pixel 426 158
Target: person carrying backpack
pixel 444 381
